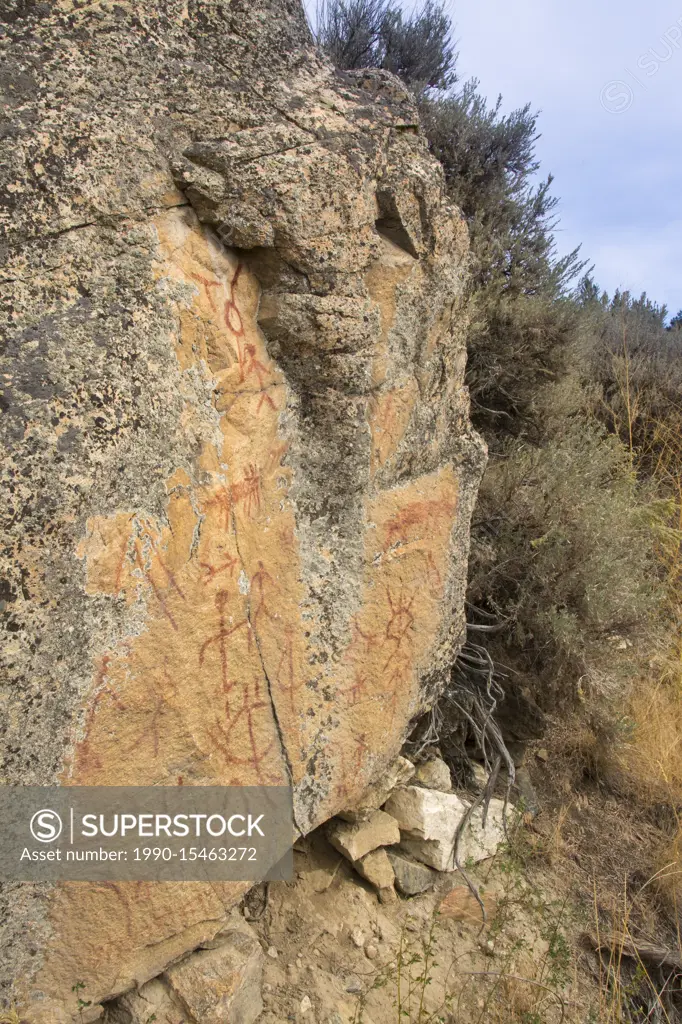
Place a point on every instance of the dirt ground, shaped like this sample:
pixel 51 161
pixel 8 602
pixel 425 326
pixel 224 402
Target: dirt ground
pixel 336 955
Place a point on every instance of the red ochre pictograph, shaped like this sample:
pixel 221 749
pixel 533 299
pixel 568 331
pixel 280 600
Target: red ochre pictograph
pixel 400 625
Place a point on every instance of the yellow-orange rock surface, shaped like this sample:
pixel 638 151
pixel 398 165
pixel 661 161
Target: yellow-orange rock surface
pixel 239 469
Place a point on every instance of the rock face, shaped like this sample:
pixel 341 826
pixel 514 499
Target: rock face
pixel 238 469
pixel 434 774
pixel 221 983
pixel 376 868
pixel 411 876
pixel 397 774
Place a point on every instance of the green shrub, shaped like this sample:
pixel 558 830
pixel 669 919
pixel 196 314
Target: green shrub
pixel 576 394
pixel 563 548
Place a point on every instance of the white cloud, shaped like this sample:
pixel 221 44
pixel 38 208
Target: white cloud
pixel 617 173
pixel 641 260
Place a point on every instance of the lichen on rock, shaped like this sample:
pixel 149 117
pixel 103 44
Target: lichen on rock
pixel 238 463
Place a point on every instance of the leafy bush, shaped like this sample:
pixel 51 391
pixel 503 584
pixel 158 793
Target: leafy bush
pixel 565 539
pixel 563 549
pixel 636 362
pixel 490 165
pixel 378 34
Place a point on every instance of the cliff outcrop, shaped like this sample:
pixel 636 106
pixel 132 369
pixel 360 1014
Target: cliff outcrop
pixel 238 468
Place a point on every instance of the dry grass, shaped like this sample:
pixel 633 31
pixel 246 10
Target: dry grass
pixel 652 756
pixel 650 759
pixel 9 1017
pixel 641 763
pixel 638 980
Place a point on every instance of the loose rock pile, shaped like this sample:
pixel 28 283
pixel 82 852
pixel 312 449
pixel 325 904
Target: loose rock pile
pixel 400 839
pixel 411 826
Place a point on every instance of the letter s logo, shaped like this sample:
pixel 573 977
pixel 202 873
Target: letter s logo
pixel 46 826
pixel 617 97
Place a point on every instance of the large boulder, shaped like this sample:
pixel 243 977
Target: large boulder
pixel 238 466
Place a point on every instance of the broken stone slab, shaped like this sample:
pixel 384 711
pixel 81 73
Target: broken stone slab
pixel 411 876
pixel 398 774
pixel 224 982
pixel 434 774
pixel 429 821
pixel 355 839
pixel 375 867
pixel 152 1001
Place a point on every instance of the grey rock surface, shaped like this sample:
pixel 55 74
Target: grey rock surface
pixel 232 383
pixel 411 876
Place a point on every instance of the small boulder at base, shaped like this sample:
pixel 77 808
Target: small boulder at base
pixel 411 877
pixel 222 983
pixel 398 774
pixel 354 840
pixel 434 774
pixel 429 822
pixel 376 868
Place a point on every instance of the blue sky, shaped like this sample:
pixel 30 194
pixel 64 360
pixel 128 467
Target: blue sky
pixel 607 78
pixel 611 121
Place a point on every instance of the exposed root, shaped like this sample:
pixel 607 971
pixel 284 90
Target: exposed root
pixel 472 696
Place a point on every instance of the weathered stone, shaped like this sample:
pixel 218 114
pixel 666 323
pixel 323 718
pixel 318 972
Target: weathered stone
pixel 527 793
pixel 411 876
pixel 519 716
pixel 517 751
pixel 153 1001
pixel 91 1015
pixel 429 821
pixel 481 776
pixel 233 392
pixel 355 839
pixel 222 983
pixel 398 774
pixel 434 774
pixel 376 868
